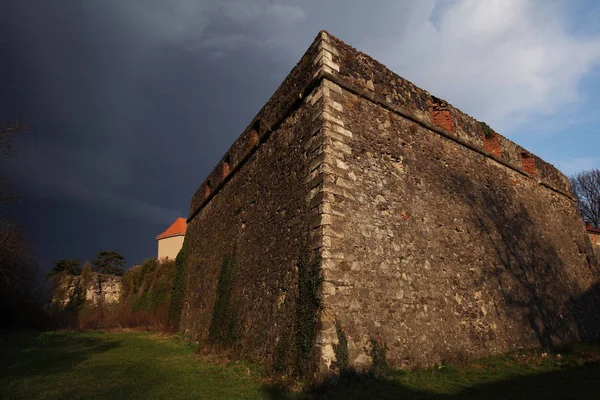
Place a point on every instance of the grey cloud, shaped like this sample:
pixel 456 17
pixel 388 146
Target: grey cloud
pixel 192 24
pixel 286 13
pixel 501 60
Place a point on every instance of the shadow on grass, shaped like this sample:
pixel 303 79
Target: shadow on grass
pixel 116 365
pixel 44 353
pixel 59 365
pixel 581 382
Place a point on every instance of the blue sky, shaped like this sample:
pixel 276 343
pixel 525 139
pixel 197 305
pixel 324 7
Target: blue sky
pixel 571 139
pixel 134 102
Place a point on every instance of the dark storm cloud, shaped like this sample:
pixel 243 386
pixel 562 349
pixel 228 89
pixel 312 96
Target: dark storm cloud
pixel 125 93
pixel 132 102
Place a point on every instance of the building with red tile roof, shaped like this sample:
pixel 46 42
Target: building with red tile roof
pixel 593 233
pixel 171 240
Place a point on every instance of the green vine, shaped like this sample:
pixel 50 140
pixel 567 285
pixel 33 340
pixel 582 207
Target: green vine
pixel 308 306
pixel 224 321
pixel 178 287
pixel 487 131
pixel 341 349
pixel 378 353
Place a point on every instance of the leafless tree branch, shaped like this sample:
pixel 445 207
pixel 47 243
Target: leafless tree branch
pixel 586 187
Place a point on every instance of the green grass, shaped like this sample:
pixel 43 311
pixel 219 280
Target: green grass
pixel 569 373
pixel 145 365
pixel 127 365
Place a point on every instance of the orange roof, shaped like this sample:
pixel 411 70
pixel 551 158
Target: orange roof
pixel 177 228
pixel 591 229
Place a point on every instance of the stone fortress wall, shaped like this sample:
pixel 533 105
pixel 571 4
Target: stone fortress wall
pixel 439 238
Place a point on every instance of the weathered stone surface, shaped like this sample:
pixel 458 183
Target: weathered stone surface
pixel 438 237
pixel 456 253
pixel 98 289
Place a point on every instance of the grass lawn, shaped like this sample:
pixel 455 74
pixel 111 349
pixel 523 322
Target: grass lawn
pixel 145 365
pixel 125 365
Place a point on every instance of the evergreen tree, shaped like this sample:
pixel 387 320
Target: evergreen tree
pixel 71 267
pixel 109 262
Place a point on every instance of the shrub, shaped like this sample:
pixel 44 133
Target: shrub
pixel 144 301
pixel 146 294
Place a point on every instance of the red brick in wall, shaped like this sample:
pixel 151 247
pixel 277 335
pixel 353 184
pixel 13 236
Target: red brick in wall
pixel 528 163
pixel 491 144
pixel 443 119
pixel 440 115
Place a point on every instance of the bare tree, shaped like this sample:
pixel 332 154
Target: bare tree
pixel 16 265
pixel 586 187
pixel 12 245
pixel 7 134
pixel 17 268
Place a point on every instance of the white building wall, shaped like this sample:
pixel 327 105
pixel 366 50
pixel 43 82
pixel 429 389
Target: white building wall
pixel 169 247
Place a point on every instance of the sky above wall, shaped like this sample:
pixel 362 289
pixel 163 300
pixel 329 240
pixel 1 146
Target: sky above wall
pixel 132 103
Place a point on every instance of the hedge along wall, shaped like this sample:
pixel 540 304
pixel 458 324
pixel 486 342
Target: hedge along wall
pixel 147 293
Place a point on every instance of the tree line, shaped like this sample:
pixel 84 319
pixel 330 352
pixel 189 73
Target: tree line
pixel 106 262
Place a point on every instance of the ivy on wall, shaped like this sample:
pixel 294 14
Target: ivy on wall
pixel 308 306
pixel 178 287
pixel 341 348
pixel 224 321
pixel 378 353
pixel 295 350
